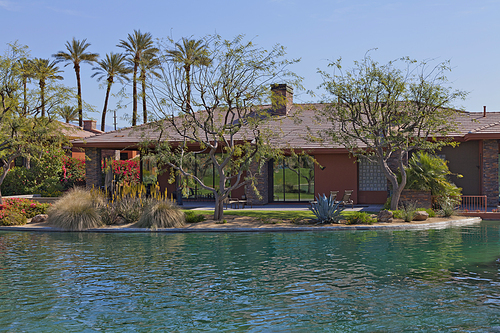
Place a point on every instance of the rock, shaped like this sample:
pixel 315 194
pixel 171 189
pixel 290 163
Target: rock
pixel 39 218
pixel 421 215
pixel 384 216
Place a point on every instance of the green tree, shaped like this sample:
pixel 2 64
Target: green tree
pixel 68 113
pixel 26 72
pixel 76 54
pixel 189 53
pixel 138 45
pixel 229 124
pixel 148 66
pixel 22 134
pixel 383 112
pixel 112 67
pixel 45 70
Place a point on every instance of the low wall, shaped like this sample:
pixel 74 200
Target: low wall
pixel 423 199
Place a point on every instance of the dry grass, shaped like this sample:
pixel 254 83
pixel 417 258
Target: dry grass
pixel 77 210
pixel 161 214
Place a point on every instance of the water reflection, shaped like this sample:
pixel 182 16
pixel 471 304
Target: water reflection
pixel 342 281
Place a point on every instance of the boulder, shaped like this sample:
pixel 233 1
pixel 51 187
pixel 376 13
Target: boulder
pixel 39 218
pixel 385 216
pixel 421 215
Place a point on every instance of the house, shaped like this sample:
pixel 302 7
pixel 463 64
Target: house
pixel 292 179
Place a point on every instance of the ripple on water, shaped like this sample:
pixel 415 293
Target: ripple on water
pixel 369 281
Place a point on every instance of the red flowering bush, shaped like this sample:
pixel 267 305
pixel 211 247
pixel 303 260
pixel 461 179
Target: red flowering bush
pixel 124 172
pixel 73 171
pixel 15 211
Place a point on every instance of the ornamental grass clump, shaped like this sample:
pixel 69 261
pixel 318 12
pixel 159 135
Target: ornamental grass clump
pixel 77 210
pixel 408 211
pixel 161 214
pixel 326 209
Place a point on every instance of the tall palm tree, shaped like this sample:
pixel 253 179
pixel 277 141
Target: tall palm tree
pixel 113 66
pixel 26 72
pixel 137 46
pixel 190 53
pixel 148 65
pixel 76 55
pixel 45 70
pixel 68 113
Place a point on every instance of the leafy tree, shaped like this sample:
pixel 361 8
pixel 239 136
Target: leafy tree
pixel 76 54
pixel 114 66
pixel 68 113
pixel 138 46
pixel 22 133
pixel 45 70
pixel 383 112
pixel 229 124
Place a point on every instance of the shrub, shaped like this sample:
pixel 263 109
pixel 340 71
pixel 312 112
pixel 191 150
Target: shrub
pixel 8 218
pixel 429 211
pixel 192 217
pixel 161 214
pixel 124 172
pixel 16 211
pixel 430 173
pixel 326 210
pixel 360 218
pixel 448 207
pixel 408 211
pixel 129 208
pixel 73 172
pixel 77 210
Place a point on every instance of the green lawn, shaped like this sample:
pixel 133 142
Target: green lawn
pixel 273 214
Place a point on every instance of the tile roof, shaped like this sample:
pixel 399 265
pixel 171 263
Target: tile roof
pixel 291 131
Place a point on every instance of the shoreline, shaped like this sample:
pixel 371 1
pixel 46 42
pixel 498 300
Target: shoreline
pixel 245 224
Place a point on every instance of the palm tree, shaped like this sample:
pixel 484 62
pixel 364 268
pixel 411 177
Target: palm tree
pixel 114 66
pixel 25 67
pixel 68 113
pixel 190 53
pixel 76 54
pixel 148 64
pixel 45 70
pixel 137 45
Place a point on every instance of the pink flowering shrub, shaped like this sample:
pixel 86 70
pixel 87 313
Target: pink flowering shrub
pixel 15 211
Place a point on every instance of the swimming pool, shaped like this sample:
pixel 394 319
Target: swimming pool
pixel 362 281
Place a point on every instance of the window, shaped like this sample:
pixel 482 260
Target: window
pixel 293 178
pixel 371 176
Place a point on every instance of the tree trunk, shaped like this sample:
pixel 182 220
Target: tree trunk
pixel 42 96
pixel 144 111
pixel 25 98
pixel 134 94
pixel 79 97
pixel 219 208
pixel 103 119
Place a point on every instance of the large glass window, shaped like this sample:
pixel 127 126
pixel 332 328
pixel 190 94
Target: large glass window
pixel 202 167
pixel 293 178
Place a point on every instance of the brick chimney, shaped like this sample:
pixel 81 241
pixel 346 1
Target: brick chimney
pixel 282 99
pixel 89 125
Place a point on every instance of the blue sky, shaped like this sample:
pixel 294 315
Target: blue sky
pixel 465 32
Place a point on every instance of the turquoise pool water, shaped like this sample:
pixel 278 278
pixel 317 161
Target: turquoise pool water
pixel 364 281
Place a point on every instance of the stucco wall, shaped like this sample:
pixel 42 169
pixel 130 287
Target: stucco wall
pixel 465 160
pixel 340 173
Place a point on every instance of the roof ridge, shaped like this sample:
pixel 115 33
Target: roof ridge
pixel 485 126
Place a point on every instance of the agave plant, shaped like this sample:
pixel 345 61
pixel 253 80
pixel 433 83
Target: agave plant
pixel 326 209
